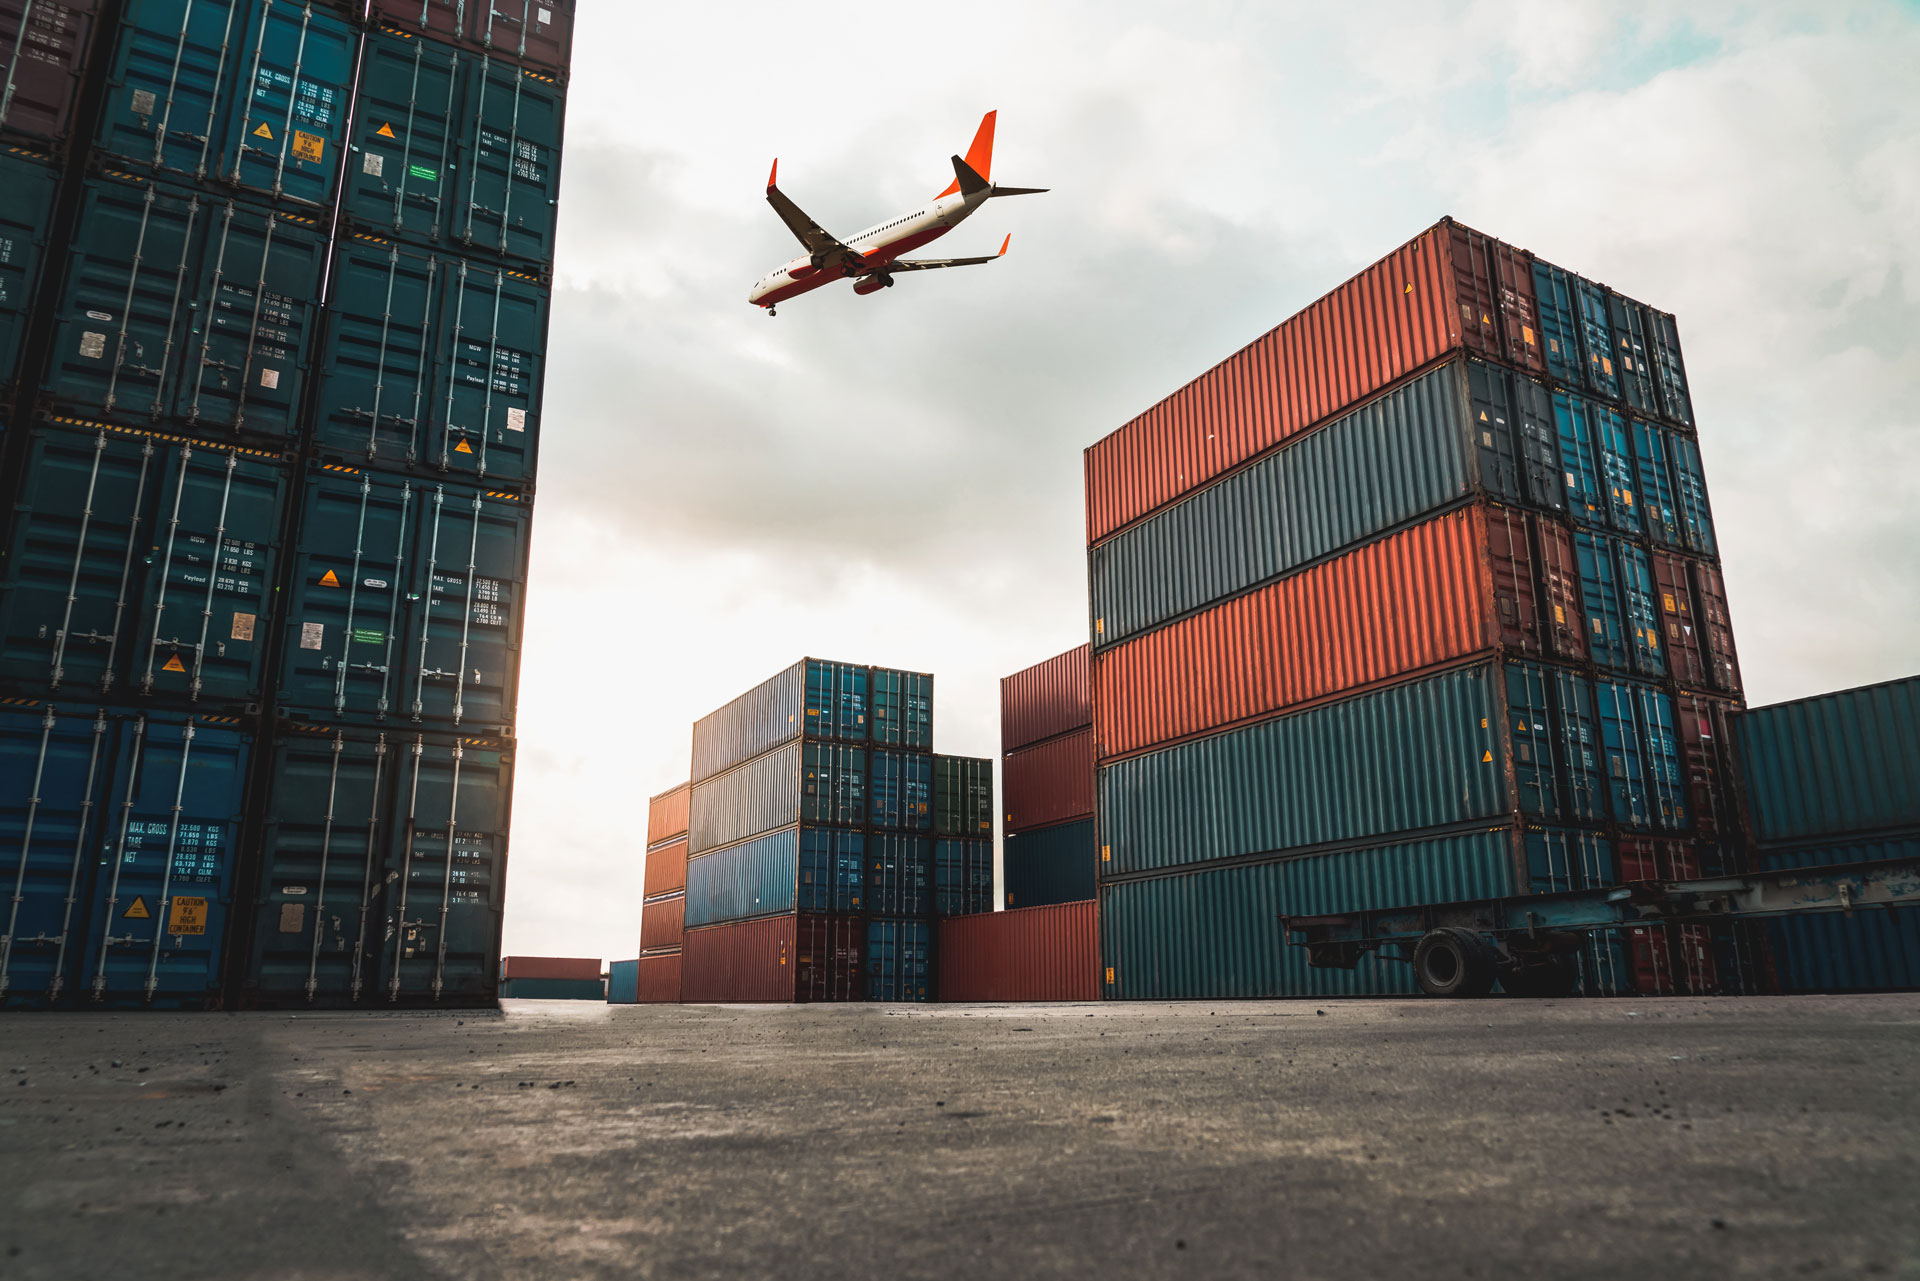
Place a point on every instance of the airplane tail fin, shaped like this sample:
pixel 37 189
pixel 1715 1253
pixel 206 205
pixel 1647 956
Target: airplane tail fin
pixel 979 157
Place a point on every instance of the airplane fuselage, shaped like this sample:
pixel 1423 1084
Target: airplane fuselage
pixel 877 247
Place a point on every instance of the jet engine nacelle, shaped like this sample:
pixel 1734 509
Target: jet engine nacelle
pixel 872 284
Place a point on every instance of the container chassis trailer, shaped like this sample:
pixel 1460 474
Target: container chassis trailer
pixel 1527 943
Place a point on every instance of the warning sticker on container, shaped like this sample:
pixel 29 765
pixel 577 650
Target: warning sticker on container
pixel 188 916
pixel 92 345
pixel 373 163
pixel 242 627
pixel 137 911
pixel 270 379
pixel 263 132
pixel 543 17
pixel 308 146
pixel 293 918
pixel 173 664
pixel 143 102
pixel 312 635
pixel 329 579
pixel 516 420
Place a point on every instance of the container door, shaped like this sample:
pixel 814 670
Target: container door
pixel 44 49
pixel 1531 725
pixel 1669 371
pixel 899 874
pixel 1636 361
pixel 832 875
pixel 26 207
pixel 1561 859
pixel 1540 470
pixel 162 891
pixel 963 877
pixel 286 126
pixel 1657 503
pixel 1705 750
pixel 1559 322
pixel 401 181
pixel 1600 600
pixel 1494 429
pixel 53 785
pixel 1494 287
pixel 1674 592
pixel 901 792
pixel 1596 338
pixel 1666 779
pixel 463 639
pixel 1573 420
pixel 1615 452
pixel 1563 622
pixel 1510 557
pixel 1621 743
pixel 902 709
pixel 173 75
pixel 1576 740
pixel 834 785
pixel 378 389
pixel 1717 624
pixel 489 373
pixel 1642 607
pixel 1690 482
pixel 836 707
pixel 1605 964
pixel 509 161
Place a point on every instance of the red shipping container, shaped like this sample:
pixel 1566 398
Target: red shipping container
pixel 43 50
pixel 667 814
pixel 1686 660
pixel 1437 593
pixel 1033 954
pixel 1716 626
pixel 663 923
pixel 1449 289
pixel 666 869
pixel 1045 700
pixel 1050 782
pixel 536 33
pixel 777 958
pixel 1706 755
pixel 660 979
pixel 1673 959
pixel 550 967
pixel 1642 858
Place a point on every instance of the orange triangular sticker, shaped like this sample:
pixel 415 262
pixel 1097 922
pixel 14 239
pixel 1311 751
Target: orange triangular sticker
pixel 137 912
pixel 463 448
pixel 173 665
pixel 1487 759
pixel 328 580
pixel 384 131
pixel 263 132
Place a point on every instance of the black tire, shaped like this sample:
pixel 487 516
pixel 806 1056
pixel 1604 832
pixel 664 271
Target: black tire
pixel 1553 976
pixel 1454 962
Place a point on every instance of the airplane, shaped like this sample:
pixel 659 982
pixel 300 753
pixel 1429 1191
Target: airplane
pixel 872 258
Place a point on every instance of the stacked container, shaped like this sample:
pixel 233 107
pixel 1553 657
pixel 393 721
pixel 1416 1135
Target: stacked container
pixel 663 897
pixel 1046 776
pixel 1415 599
pixel 552 978
pixel 826 837
pixel 266 678
pixel 1829 781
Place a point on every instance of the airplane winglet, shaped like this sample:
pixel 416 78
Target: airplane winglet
pixel 774 175
pixel 1004 244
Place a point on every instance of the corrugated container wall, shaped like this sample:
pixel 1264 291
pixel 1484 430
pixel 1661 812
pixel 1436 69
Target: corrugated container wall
pixel 1823 767
pixel 1036 954
pixel 623 982
pixel 666 869
pixel 1050 782
pixel 1050 865
pixel 550 967
pixel 1046 699
pixel 777 958
pixel 667 814
pixel 658 980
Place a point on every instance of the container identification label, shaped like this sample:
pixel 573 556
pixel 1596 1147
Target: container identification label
pixel 188 916
pixel 516 420
pixel 92 345
pixel 373 164
pixel 242 627
pixel 423 172
pixel 312 635
pixel 369 636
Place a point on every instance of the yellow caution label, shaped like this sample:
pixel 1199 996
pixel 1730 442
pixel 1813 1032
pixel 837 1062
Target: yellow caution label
pixel 173 664
pixel 1109 974
pixel 329 579
pixel 308 146
pixel 1560 615
pixel 1485 319
pixel 1408 289
pixel 1668 598
pixel 187 916
pixel 384 131
pixel 1483 415
pixel 1606 366
pixel 1099 626
pixel 1526 334
pixel 463 448
pixel 263 132
pixel 1486 758
pixel 1106 853
pixel 136 911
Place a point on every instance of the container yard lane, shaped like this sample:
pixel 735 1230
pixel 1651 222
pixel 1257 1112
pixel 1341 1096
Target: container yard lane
pixel 1680 1137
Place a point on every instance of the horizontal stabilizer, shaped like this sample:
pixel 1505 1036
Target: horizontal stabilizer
pixel 1018 191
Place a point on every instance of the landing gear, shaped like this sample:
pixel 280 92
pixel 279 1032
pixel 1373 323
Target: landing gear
pixel 1451 961
pixel 770 313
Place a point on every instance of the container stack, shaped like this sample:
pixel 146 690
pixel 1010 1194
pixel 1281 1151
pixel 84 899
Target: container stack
pixel 270 448
pixel 552 978
pixel 664 897
pixel 1413 600
pixel 1830 781
pixel 825 838
pixel 1046 775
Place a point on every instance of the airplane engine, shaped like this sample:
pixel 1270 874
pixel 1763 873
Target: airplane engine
pixel 872 284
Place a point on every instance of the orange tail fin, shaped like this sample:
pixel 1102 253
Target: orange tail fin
pixel 979 155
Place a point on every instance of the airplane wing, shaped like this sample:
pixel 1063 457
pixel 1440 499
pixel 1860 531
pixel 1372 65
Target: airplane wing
pixel 811 235
pixel 929 264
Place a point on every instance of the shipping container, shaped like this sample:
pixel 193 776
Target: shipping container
pixel 1578 334
pixel 1450 289
pixel 962 875
pixel 667 814
pixel 433 364
pixel 122 836
pixel 1833 765
pixel 1867 951
pixel 1690 487
pixel 623 982
pixel 899 875
pixel 583 969
pixel 1050 865
pixel 405 605
pixel 658 980
pixel 44 48
pixel 813 783
pixel 1706 751
pixel 200 311
pixel 382 872
pixel 1035 954
pixel 902 709
pixel 663 923
pixel 141 566
pixel 1716 622
pixel 26 209
pixel 962 796
pixel 1050 782
pixel 538 33
pixel 899 961
pixel 900 790
pixel 242 95
pixel 824 701
pixel 666 869
pixel 553 989
pixel 1686 655
pixel 1617 596
pixel 777 958
pixel 806 869
pixel 1046 699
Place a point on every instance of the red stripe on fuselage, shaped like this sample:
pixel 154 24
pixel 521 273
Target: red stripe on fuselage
pixel 875 258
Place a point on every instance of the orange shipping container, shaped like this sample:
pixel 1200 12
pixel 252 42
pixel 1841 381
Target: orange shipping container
pixel 666 869
pixel 660 979
pixel 1450 289
pixel 662 924
pixel 667 814
pixel 585 969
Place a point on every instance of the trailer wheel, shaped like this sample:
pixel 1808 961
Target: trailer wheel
pixel 1451 961
pixel 1553 976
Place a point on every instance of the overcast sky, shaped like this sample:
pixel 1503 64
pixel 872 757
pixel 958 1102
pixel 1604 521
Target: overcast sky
pixel 896 479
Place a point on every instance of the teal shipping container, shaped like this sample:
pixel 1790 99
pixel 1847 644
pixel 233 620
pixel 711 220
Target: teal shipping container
pixel 1818 769
pixel 813 699
pixel 243 96
pixel 1578 335
pixel 1866 950
pixel 433 364
pixel 962 876
pixel 623 982
pixel 900 790
pixel 962 796
pixel 141 565
pixel 553 989
pixel 201 311
pixel 121 832
pixel 899 961
pixel 406 603
pixel 902 709
pixel 813 783
pixel 382 870
pixel 899 874
pixel 1050 865
pixel 26 207
pixel 807 869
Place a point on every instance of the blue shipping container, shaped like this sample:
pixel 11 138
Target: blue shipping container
pixel 900 961
pixel 902 709
pixel 1690 485
pixel 1822 767
pixel 963 876
pixel 1577 420
pixel 433 363
pixel 26 207
pixel 1573 319
pixel 813 699
pixel 245 94
pixel 1050 865
pixel 1629 322
pixel 123 830
pixel 508 174
pixel 141 565
pixel 623 982
pixel 899 874
pixel 1657 502
pixel 900 790
pixel 405 606
pixel 807 869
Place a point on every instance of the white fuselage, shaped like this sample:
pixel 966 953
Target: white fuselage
pixel 877 246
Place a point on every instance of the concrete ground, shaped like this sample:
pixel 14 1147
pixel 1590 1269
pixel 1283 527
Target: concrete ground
pixel 1655 1138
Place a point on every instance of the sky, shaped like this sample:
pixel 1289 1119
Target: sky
pixel 896 479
